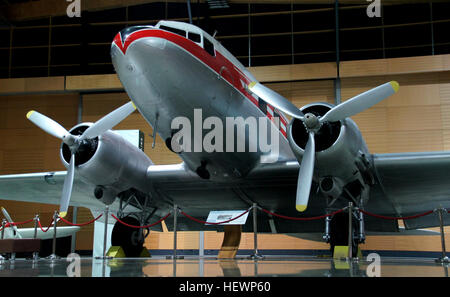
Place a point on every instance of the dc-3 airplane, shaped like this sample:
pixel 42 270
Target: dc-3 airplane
pixel 174 70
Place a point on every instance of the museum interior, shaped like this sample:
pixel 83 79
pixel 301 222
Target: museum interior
pixel 307 51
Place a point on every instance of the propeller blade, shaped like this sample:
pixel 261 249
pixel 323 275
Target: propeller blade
pixel 47 124
pixel 9 220
pixel 360 102
pixel 109 121
pixel 67 189
pixel 275 99
pixel 305 175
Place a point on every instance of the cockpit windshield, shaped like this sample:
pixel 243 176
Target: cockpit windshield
pixel 173 30
pixel 188 32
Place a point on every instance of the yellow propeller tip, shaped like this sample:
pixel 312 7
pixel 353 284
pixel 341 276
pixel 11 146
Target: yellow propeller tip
pixel 62 214
pixel 133 104
pixel 252 84
pixel 30 113
pixel 395 85
pixel 300 208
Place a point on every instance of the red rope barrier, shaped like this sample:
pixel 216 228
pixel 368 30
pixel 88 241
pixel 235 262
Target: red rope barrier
pixel 40 226
pixel 395 218
pixel 82 224
pixel 203 222
pixel 141 227
pixel 19 223
pixel 7 225
pixel 302 219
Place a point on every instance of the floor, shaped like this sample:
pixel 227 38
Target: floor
pixel 194 266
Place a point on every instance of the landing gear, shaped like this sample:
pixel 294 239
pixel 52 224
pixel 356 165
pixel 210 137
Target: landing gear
pixel 338 232
pixel 130 239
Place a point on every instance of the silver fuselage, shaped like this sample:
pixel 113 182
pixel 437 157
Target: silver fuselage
pixel 165 79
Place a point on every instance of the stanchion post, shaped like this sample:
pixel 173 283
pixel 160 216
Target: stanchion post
pixel 105 235
pixel 175 219
pixel 444 258
pixel 36 219
pixel 55 221
pixel 350 233
pixel 255 255
pixel 2 259
pixel 175 216
pixel 3 228
pixel 53 256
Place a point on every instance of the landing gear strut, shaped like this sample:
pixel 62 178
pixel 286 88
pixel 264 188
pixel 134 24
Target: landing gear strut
pixel 130 239
pixel 337 229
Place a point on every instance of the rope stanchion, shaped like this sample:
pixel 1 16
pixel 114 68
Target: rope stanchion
pixel 141 227
pixel 301 219
pixel 40 226
pixel 7 225
pixel 396 218
pixel 81 224
pixel 217 223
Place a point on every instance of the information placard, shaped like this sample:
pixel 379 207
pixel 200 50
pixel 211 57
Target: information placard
pixel 217 216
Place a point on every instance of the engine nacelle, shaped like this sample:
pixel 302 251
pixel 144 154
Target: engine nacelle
pixel 338 144
pixel 110 162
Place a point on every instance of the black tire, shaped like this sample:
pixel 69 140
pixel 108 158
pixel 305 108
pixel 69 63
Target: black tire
pixel 339 232
pixel 127 237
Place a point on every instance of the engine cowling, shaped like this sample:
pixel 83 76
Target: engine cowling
pixel 110 162
pixel 325 138
pixel 338 144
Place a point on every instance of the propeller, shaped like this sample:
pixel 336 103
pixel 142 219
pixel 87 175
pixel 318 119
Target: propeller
pixel 73 141
pixel 313 124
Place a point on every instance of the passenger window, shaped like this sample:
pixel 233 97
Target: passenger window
pixel 194 37
pixel 209 47
pixel 174 30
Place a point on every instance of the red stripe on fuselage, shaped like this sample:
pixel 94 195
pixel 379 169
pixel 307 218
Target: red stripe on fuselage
pixel 230 73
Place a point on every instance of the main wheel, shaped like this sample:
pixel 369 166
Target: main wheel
pixel 339 232
pixel 130 239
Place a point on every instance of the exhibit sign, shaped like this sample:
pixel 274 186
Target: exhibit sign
pixel 217 216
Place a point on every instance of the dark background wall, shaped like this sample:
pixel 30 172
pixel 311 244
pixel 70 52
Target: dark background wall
pixel 258 34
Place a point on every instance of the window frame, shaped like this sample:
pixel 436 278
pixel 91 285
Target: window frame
pixel 213 53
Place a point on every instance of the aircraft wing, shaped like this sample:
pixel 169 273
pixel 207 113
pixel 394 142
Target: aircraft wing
pixel 46 187
pixel 410 184
pixel 407 184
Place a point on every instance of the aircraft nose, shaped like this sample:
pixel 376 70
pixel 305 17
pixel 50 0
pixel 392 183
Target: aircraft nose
pixel 121 37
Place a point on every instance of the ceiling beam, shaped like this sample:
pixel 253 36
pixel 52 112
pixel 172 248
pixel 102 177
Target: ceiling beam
pixel 45 8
